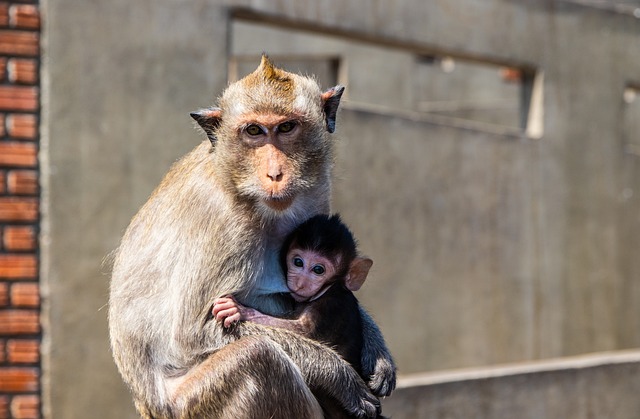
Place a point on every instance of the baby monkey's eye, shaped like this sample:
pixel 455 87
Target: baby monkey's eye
pixel 298 262
pixel 286 126
pixel 318 269
pixel 254 130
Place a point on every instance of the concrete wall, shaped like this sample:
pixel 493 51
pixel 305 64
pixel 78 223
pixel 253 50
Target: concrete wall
pixel 489 247
pixel 594 386
pixel 462 249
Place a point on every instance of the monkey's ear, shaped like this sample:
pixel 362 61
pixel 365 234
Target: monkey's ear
pixel 209 119
pixel 358 271
pixel 330 102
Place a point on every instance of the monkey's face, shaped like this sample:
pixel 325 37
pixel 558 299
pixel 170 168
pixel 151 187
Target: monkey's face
pixel 270 136
pixel 308 273
pixel 280 160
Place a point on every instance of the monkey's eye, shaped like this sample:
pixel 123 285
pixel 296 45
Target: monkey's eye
pixel 318 269
pixel 286 126
pixel 253 130
pixel 298 262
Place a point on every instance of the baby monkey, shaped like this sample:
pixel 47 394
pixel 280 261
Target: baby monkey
pixel 322 268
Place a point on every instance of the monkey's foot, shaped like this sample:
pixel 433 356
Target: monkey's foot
pixel 383 380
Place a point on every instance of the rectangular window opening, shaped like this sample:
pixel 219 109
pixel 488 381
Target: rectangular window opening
pixel 482 92
pixel 445 89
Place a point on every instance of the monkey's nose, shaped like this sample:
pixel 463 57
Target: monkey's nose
pixel 295 287
pixel 275 175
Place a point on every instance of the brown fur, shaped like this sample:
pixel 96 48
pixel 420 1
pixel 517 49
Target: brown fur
pixel 209 230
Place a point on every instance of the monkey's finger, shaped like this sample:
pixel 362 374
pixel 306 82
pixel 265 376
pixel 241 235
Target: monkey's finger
pixel 222 300
pixel 229 321
pixel 221 305
pixel 230 312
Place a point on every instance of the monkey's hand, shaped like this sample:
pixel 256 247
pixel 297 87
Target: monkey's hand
pixel 382 381
pixel 228 311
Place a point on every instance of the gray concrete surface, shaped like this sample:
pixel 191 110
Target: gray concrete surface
pixel 595 386
pixel 489 246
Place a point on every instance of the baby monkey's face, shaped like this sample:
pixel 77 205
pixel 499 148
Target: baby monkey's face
pixel 308 272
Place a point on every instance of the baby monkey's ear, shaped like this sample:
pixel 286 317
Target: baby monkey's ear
pixel 358 271
pixel 209 119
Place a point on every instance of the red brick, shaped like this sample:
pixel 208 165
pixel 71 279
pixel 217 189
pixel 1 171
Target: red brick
pixel 4 294
pixel 3 69
pixel 18 98
pixel 25 295
pixel 25 407
pixel 4 407
pixel 18 380
pixel 18 154
pixel 23 71
pixel 3 357
pixel 18 266
pixel 19 322
pixel 4 14
pixel 3 176
pixel 24 16
pixel 18 209
pixel 19 43
pixel 23 351
pixel 22 182
pixel 19 238
pixel 22 126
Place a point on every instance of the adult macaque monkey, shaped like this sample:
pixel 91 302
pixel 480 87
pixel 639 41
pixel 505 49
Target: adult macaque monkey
pixel 214 227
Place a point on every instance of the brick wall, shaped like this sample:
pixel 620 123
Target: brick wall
pixel 19 210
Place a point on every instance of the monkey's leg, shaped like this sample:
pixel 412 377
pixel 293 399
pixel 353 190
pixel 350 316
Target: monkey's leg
pixel 324 371
pixel 250 378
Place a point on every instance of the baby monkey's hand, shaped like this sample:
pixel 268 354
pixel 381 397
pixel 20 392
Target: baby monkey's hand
pixel 228 311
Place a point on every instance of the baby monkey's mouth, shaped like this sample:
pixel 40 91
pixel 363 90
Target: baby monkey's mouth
pixel 299 298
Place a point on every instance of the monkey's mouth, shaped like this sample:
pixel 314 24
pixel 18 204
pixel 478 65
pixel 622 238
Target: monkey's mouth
pixel 299 298
pixel 279 203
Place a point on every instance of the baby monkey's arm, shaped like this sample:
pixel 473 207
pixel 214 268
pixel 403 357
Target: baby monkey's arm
pixel 229 311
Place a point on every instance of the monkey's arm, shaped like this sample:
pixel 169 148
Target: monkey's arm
pixel 377 363
pixel 229 311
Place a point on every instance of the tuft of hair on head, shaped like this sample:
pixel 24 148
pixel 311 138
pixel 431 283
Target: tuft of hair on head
pixel 326 235
pixel 267 69
pixel 268 74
